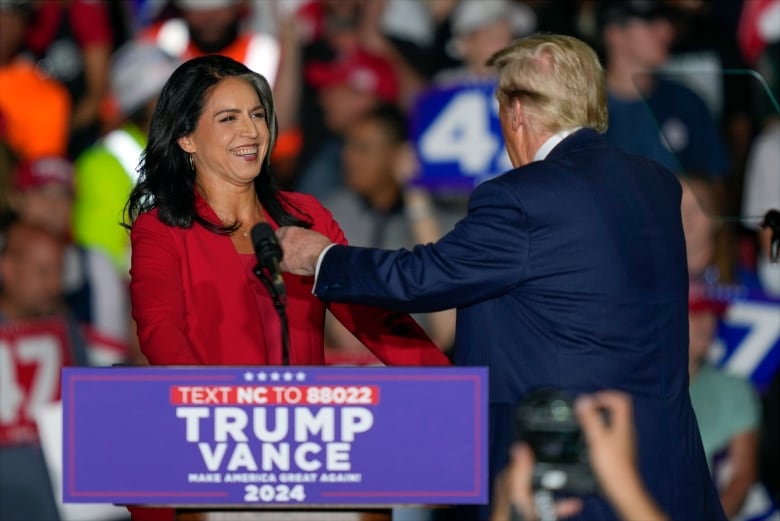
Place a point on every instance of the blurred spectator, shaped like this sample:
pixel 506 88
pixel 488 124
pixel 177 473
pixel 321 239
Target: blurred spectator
pixel 434 50
pixel 328 30
pixel 36 108
pixel 376 209
pixel 481 28
pixel 106 172
pixel 704 60
pixel 761 194
pixel 72 41
pixel 648 114
pixel 7 165
pixel 378 35
pixel 712 66
pixel 389 29
pixel 34 351
pixel 215 27
pixel 32 264
pixel 762 175
pixel 94 293
pixel 345 88
pixel 728 412
pixel 758 27
pixel 709 237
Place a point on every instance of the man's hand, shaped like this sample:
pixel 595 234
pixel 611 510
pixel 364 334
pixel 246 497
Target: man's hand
pixel 300 248
pixel 514 488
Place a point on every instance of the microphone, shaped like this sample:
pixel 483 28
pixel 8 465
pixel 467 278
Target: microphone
pixel 269 254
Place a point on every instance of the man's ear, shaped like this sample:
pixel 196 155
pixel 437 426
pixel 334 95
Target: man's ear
pixel 516 114
pixel 185 143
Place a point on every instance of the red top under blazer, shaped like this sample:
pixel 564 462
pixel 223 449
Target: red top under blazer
pixel 195 303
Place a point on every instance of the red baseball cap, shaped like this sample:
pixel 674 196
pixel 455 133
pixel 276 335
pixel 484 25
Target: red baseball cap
pixel 359 70
pixel 45 171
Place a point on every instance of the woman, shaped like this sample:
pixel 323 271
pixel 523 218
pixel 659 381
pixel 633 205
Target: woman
pixel 713 256
pixel 205 182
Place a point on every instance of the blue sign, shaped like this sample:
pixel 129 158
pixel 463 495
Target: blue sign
pixel 749 337
pixel 457 136
pixel 275 435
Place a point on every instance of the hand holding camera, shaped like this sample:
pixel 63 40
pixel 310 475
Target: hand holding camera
pixel 589 442
pixel 547 422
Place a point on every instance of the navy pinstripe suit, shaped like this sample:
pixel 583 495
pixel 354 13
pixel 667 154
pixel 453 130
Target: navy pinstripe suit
pixel 567 272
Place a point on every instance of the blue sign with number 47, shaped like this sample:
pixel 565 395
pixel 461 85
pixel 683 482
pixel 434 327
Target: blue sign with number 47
pixel 457 136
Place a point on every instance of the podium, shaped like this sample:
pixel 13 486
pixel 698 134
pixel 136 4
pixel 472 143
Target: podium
pixel 282 443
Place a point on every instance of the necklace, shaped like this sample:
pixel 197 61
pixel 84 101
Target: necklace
pixel 242 229
pixel 245 231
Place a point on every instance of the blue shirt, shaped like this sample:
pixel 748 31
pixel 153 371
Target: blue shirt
pixel 672 126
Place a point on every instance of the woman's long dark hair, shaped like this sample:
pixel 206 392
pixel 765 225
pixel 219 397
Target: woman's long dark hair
pixel 166 181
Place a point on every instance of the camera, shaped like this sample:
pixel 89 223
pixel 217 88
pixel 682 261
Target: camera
pixel 546 421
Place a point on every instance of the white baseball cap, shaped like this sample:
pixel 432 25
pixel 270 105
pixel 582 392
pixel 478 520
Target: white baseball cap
pixel 138 73
pixel 471 15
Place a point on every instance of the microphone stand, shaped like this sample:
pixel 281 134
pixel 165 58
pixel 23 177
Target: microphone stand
pixel 279 304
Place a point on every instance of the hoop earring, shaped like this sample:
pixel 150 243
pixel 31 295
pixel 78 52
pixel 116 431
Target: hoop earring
pixel 191 162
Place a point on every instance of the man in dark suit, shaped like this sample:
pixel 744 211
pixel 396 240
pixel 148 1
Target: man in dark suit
pixel 568 271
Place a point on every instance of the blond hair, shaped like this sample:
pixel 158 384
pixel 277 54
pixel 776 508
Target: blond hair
pixel 558 78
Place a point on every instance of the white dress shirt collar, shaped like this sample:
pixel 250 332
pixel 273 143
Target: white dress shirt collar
pixel 552 142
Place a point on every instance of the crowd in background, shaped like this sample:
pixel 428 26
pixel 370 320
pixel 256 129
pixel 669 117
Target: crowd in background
pixel 79 79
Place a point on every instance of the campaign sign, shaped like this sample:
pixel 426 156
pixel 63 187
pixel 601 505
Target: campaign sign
pixel 275 435
pixel 457 136
pixel 749 337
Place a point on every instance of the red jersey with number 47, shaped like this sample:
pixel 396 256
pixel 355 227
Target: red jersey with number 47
pixel 32 355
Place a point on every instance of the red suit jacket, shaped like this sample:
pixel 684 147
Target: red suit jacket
pixel 194 302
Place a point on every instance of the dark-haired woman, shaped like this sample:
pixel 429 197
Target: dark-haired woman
pixel 204 183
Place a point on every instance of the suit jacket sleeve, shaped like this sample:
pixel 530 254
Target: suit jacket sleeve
pixel 482 257
pixel 158 294
pixel 395 338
